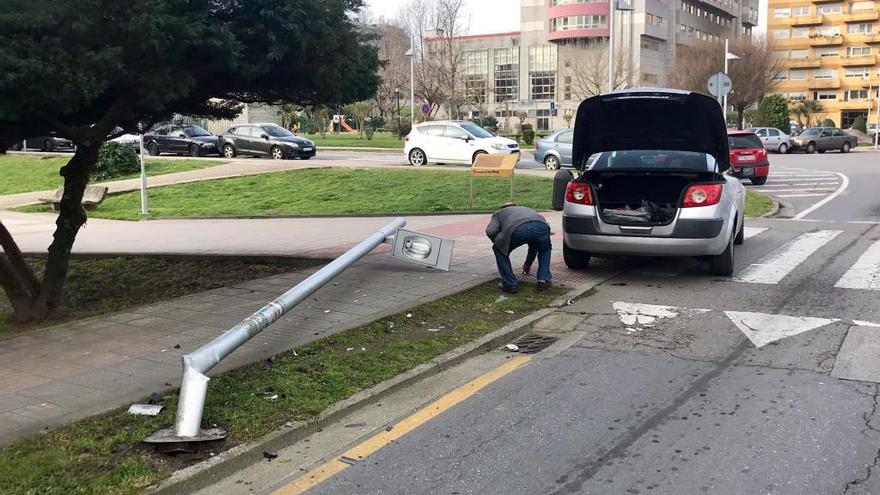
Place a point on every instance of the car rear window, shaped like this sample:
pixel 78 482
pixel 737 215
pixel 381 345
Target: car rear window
pixel 651 159
pixel 744 142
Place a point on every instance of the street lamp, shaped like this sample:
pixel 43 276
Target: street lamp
pixel 412 86
pixel 612 6
pixel 727 57
pixel 397 97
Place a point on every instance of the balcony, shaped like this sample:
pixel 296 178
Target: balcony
pixel 857 61
pixel 803 63
pixel 825 1
pixel 855 104
pixel 824 83
pixel 806 20
pixel 871 82
pixel 752 20
pixel 826 40
pixel 867 16
pixel 871 38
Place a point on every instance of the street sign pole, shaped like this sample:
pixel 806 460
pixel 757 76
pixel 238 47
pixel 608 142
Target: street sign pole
pixel 144 206
pixel 724 103
pixel 611 6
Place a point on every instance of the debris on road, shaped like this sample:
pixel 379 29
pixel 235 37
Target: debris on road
pixel 145 409
pixel 509 311
pixel 500 299
pixel 348 460
pixel 512 347
pixel 356 425
pixel 270 455
pixel 155 398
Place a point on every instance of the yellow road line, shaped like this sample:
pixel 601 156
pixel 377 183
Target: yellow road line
pixel 362 450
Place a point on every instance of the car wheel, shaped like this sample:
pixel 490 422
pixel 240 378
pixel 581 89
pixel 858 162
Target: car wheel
pixel 276 153
pixel 740 235
pixel 194 150
pixel 845 148
pixel 783 148
pixel 417 157
pixel 153 149
pixel 575 259
pixel 474 158
pixel 758 181
pixel 722 265
pixel 811 148
pixel 228 151
pixel 551 162
pixel 821 151
pixel 304 157
pixel 15 147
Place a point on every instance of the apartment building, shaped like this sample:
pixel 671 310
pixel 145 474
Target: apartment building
pixel 542 63
pixel 832 54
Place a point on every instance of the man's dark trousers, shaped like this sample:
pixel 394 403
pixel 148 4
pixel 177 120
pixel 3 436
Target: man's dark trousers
pixel 536 235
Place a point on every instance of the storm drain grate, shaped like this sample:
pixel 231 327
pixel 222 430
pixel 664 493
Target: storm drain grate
pixel 531 344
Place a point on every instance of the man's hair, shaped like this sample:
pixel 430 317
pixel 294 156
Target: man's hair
pixel 509 203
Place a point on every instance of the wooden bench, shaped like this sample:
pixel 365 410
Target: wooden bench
pixel 92 197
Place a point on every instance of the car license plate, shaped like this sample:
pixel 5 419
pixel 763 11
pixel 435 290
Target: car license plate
pixel 746 158
pixel 307 149
pixel 748 171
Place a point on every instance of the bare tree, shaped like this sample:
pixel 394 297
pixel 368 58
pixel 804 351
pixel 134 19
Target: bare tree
pixel 394 42
pixel 586 62
pixel 753 75
pixel 359 111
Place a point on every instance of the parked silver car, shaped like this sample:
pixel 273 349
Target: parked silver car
pixel 554 151
pixel 652 180
pixel 773 139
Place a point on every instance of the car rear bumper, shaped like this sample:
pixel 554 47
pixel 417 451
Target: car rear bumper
pixel 760 169
pixel 691 237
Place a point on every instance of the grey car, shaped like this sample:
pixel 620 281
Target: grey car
pixel 268 139
pixel 822 139
pixel 652 180
pixel 773 139
pixel 554 151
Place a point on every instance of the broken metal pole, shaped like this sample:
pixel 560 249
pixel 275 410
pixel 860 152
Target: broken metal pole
pixel 195 364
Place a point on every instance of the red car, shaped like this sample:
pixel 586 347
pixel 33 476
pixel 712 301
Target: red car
pixel 748 157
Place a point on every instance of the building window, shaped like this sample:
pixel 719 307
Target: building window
pixel 828 30
pixel 566 88
pixel 648 78
pixel 542 120
pixel 653 20
pixel 781 33
pixel 783 54
pixel 542 72
pixel 859 28
pixel 824 95
pixel 577 22
pixel 506 74
pixel 797 74
pixel 831 8
pixel 800 32
pixel 828 52
pixel 554 3
pixel 855 94
pixel 857 72
pixel 782 12
pixel 799 11
pixel 797 96
pixel 781 75
pixel 857 51
pixel 799 54
pixel 475 75
pixel 649 44
pixel 823 73
pixel 861 7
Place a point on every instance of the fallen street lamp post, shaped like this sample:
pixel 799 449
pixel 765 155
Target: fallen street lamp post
pixel 412 246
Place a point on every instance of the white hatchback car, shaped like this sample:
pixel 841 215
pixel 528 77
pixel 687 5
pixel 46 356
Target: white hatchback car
pixel 453 142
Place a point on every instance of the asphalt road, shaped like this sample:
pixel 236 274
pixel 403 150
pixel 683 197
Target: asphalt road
pixel 675 382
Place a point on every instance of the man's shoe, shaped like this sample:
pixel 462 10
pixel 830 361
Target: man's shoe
pixel 543 285
pixel 510 289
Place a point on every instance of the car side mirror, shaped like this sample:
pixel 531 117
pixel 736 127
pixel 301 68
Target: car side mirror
pixel 182 136
pixel 467 139
pixel 264 136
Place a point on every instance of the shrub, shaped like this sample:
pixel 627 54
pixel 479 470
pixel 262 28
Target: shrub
pixel 115 160
pixel 369 132
pixel 377 122
pixel 859 124
pixel 528 134
pixel 828 123
pixel 773 112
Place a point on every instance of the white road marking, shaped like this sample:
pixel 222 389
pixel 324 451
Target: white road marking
pixel 763 329
pixel 865 274
pixel 798 189
pixel 813 195
pixel 863 323
pixel 775 266
pixel 637 315
pixel 864 222
pixel 818 179
pixel 844 184
pixel 750 232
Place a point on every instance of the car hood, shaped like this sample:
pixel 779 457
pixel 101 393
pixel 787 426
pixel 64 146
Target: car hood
pixel 205 139
pixel 499 140
pixel 650 119
pixel 294 139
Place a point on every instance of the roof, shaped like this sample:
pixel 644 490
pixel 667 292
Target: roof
pixel 474 36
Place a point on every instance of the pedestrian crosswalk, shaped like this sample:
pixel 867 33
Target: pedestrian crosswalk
pixel 788 183
pixel 771 269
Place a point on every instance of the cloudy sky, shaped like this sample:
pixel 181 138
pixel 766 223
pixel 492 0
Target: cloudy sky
pixel 486 16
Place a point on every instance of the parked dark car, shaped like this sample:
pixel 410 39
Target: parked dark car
pixel 822 139
pixel 189 140
pixel 264 140
pixel 44 143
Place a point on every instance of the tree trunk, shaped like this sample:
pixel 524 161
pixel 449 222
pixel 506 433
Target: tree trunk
pixel 71 217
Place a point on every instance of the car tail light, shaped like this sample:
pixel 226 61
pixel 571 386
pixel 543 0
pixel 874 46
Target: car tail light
pixel 406 138
pixel 702 195
pixel 579 193
pixel 762 154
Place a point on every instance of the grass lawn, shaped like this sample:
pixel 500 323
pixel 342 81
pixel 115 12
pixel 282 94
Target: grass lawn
pixel 327 192
pixel 22 173
pixel 102 285
pixel 103 455
pixel 350 140
pixel 757 204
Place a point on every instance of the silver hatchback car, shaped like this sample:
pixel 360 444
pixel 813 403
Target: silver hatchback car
pixel 652 180
pixel 554 151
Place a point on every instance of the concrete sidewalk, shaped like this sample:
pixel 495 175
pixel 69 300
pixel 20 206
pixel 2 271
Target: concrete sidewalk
pixel 57 375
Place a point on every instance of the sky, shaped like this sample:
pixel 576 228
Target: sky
pixel 486 16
